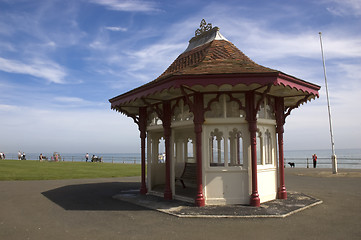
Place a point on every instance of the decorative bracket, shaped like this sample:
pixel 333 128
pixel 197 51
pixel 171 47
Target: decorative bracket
pixel 195 106
pixel 155 108
pixel 133 116
pixel 241 106
pixel 188 101
pixel 268 89
pixel 296 106
pixel 216 99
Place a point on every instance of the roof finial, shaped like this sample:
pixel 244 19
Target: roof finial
pixel 203 27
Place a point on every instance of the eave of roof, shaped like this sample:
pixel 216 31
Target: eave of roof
pixel 176 81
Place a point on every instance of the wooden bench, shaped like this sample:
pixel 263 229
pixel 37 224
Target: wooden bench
pixel 96 159
pixel 189 173
pixel 43 158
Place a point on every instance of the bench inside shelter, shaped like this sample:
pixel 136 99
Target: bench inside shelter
pixel 188 175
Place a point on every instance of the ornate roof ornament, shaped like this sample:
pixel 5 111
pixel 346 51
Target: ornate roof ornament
pixel 203 27
pixel 205 34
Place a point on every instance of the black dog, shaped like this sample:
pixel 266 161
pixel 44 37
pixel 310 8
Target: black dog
pixel 292 164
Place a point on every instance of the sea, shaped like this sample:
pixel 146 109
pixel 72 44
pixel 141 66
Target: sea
pixel 346 158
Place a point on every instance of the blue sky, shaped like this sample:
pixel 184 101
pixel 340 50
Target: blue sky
pixel 60 62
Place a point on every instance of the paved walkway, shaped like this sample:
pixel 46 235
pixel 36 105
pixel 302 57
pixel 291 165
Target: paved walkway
pixel 294 203
pixel 85 209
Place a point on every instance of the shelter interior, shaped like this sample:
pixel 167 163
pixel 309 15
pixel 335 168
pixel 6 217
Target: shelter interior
pixel 226 150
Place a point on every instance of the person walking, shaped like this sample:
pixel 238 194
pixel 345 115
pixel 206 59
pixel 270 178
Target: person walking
pixel 314 159
pixel 86 157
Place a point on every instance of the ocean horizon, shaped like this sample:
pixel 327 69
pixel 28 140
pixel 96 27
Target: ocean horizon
pixel 347 158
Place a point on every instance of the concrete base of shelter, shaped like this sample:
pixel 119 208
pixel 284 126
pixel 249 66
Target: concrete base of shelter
pixel 278 208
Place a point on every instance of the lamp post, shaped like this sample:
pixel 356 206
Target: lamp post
pixel 334 158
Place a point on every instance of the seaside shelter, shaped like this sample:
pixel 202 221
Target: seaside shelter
pixel 219 117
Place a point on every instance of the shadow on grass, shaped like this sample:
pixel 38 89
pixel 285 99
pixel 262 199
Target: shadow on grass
pixel 94 196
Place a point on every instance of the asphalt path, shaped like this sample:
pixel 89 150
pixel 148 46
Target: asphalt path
pixel 85 209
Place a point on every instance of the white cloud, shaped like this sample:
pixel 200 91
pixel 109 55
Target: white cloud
pixel 7 108
pixel 344 7
pixel 128 5
pixel 6 46
pixel 75 102
pixel 36 67
pixel 48 130
pixel 134 63
pixel 338 45
pixel 97 45
pixel 51 44
pixel 155 54
pixel 69 99
pixel 272 44
pixel 117 29
pixel 351 71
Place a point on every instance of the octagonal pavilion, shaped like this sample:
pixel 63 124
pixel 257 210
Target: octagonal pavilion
pixel 220 117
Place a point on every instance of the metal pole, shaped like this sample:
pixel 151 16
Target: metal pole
pixel 334 158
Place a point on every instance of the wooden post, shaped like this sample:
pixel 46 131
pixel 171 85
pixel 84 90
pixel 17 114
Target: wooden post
pixel 252 126
pixel 282 193
pixel 198 112
pixel 167 117
pixel 143 135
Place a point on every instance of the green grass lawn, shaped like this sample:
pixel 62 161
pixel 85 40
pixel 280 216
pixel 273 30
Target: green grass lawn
pixel 35 170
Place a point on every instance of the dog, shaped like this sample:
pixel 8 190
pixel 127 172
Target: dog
pixel 292 164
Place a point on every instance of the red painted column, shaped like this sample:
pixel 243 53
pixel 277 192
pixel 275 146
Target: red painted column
pixel 198 122
pixel 282 192
pixel 167 134
pixel 252 123
pixel 143 135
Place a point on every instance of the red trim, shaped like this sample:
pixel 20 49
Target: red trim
pixel 275 78
pixel 298 84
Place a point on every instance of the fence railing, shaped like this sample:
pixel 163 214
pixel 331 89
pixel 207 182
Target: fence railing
pixel 73 158
pixel 342 162
pixel 108 159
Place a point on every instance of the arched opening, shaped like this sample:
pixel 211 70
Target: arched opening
pixel 217 148
pixel 259 145
pixel 235 148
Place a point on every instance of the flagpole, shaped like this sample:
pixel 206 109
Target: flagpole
pixel 334 158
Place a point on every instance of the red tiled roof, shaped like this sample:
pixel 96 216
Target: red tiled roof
pixel 210 59
pixel 216 57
